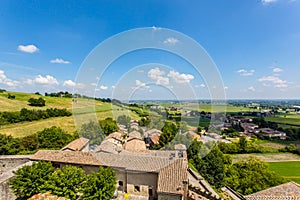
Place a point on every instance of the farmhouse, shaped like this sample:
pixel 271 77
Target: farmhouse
pixel 150 174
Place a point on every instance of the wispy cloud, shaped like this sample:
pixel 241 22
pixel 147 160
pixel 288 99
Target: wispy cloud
pixel 60 61
pixel 251 88
pixel 171 40
pixel 180 78
pixel 279 83
pixel 200 86
pixel 139 84
pixel 244 72
pixel 277 70
pixel 155 28
pixel 28 48
pixel 265 2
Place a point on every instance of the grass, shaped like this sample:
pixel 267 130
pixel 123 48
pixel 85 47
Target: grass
pixel 209 107
pixel 286 119
pixel 269 157
pixel 84 110
pixel 289 170
pixel 21 101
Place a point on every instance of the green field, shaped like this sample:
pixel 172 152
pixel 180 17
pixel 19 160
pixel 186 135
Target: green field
pixel 289 170
pixel 209 107
pixel 83 108
pixel 286 119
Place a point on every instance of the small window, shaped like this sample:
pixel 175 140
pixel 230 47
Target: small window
pixel 137 188
pixel 120 183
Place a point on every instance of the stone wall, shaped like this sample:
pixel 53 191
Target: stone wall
pixel 5 192
pixel 9 162
pixel 162 196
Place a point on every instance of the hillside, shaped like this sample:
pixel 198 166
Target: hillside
pixel 102 110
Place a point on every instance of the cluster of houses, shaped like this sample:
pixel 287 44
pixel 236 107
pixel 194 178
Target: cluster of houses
pixel 251 128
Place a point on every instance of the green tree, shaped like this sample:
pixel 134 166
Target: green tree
pixel 8 145
pixel 29 143
pixel 66 182
pixel 251 175
pixel 212 167
pixel 124 120
pixel 209 162
pixel 243 144
pixel 29 180
pixel 169 131
pixel 37 102
pixel 53 138
pixel 108 126
pixel 100 185
pixel 93 132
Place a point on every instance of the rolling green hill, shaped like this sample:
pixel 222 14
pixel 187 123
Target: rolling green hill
pixel 84 109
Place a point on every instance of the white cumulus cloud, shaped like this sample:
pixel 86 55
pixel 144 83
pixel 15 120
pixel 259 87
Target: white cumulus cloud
pixel 69 83
pixel 28 48
pixel 60 61
pixel 158 76
pixel 103 87
pixel 171 40
pixel 46 80
pixel 180 78
pixel 6 81
pixel 244 72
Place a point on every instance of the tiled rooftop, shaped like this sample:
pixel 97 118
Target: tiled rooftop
pixel 68 157
pixel 290 190
pixel 172 177
pixel 77 144
pixel 135 162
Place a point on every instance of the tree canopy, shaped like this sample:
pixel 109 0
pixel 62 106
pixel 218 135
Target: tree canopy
pixel 30 180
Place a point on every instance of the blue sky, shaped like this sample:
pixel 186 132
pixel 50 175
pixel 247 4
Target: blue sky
pixel 255 45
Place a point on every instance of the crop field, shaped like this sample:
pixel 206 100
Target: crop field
pixel 289 170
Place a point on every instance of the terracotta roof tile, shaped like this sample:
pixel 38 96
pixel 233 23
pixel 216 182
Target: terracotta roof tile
pixel 172 177
pixel 135 162
pixel 77 144
pixel 68 157
pixel 289 190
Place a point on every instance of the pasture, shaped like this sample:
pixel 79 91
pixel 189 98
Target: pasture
pixel 289 170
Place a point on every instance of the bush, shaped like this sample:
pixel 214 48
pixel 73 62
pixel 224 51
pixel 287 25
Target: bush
pixel 37 102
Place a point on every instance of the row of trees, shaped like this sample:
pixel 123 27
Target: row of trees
pixel 31 115
pixel 70 182
pixel 245 176
pixel 59 94
pixel 49 138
